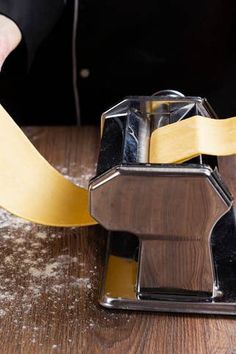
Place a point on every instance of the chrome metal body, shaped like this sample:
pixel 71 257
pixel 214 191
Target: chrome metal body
pixel 165 221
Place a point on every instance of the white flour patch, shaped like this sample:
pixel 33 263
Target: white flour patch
pixel 86 173
pixel 32 272
pixel 81 282
pixel 41 235
pixel 2 313
pixel 20 240
pixel 8 220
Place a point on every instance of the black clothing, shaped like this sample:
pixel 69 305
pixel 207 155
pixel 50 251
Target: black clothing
pixel 126 48
pixel 34 18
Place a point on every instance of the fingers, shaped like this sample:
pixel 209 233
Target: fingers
pixel 10 37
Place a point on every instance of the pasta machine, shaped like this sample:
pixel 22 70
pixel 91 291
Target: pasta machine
pixel 171 243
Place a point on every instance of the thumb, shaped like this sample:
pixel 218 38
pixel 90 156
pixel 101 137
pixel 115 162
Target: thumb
pixel 10 37
pixel 3 55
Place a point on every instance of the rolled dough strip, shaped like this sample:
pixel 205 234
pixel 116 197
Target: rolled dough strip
pixel 181 141
pixel 31 188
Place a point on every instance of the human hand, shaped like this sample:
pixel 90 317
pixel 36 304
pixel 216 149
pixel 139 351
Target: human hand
pixel 10 37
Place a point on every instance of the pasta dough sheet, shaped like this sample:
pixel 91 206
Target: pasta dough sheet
pixel 181 141
pixel 31 188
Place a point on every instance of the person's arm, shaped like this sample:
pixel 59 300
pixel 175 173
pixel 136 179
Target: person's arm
pixel 30 20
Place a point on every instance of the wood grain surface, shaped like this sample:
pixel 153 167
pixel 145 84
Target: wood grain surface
pixel 50 277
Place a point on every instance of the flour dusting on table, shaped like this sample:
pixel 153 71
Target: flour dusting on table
pixel 82 180
pixel 30 270
pixel 24 248
pixel 38 268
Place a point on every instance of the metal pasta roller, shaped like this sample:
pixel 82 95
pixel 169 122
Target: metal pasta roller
pixel 171 227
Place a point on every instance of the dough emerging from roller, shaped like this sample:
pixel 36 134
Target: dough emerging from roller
pixel 181 141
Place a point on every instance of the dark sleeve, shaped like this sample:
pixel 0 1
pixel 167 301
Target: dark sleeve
pixel 35 18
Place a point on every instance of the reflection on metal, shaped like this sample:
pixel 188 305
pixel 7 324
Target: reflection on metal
pixel 124 271
pixel 165 221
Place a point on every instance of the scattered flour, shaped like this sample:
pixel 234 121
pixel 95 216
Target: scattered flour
pixel 42 235
pixel 2 313
pixel 81 282
pixel 28 248
pixel 39 268
pixel 86 173
pixel 31 271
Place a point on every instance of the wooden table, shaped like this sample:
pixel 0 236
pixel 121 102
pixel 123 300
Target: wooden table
pixel 50 277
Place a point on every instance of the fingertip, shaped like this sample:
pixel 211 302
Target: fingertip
pixel 1 64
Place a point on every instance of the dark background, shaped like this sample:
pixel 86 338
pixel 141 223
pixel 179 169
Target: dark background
pixel 172 45
pixel 40 92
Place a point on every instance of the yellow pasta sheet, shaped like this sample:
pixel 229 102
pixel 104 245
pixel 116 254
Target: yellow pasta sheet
pixel 31 188
pixel 178 142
